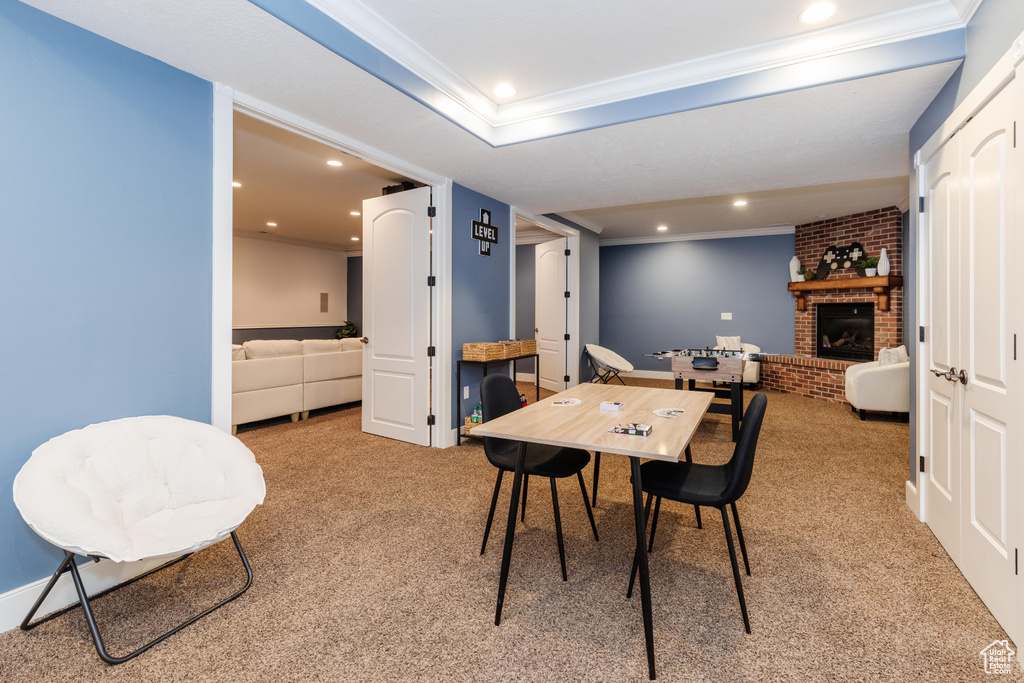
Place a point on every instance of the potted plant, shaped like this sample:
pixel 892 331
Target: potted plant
pixel 869 265
pixel 809 274
pixel 348 329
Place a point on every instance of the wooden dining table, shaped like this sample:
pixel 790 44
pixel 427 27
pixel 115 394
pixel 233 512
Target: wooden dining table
pixel 574 419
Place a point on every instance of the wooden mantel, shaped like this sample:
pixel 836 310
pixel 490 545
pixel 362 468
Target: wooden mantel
pixel 880 285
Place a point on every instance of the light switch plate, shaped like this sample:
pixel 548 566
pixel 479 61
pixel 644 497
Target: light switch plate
pixel 465 392
pixel 727 316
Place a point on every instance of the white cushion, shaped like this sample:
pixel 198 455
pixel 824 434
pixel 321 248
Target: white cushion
pixel 265 373
pixel 237 352
pixel 351 344
pixel 311 346
pixel 324 366
pixel 730 343
pixel 608 358
pixel 272 348
pixel 139 487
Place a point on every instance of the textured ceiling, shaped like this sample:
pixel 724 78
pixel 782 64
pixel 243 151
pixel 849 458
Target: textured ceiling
pixel 845 132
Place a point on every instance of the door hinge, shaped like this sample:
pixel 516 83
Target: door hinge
pixel 1015 135
pixel 565 378
pixel 920 204
pixel 921 334
pixel 430 351
pixel 430 420
pixel 431 280
pixel 922 463
pixel 566 294
pixel 1015 347
pixel 568 253
pixel 566 336
pixel 1016 564
pixel 431 211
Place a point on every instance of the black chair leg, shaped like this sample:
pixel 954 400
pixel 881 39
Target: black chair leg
pixel 558 527
pixel 636 560
pixel 863 416
pixel 735 568
pixel 490 513
pixel 739 534
pixel 526 485
pixel 590 513
pixel 597 472
pixel 696 508
pixel 654 524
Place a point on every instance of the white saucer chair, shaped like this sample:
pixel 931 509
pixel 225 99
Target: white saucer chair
pixel 607 364
pixel 751 369
pixel 135 489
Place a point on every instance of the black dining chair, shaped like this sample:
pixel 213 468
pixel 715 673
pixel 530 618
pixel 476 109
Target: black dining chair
pixel 499 396
pixel 711 485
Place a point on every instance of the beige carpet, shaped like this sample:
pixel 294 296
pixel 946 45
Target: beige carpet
pixel 367 564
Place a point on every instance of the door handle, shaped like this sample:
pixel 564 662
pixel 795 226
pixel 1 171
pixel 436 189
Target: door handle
pixel 961 376
pixel 365 340
pixel 938 374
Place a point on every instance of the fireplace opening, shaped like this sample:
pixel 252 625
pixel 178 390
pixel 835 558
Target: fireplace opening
pixel 846 331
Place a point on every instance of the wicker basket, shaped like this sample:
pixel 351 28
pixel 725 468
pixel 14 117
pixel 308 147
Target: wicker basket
pixel 470 425
pixel 512 348
pixel 483 351
pixel 527 347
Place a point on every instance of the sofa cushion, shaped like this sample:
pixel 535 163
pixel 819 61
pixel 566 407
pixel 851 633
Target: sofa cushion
pixel 351 344
pixel 237 352
pixel 893 356
pixel 311 346
pixel 324 366
pixel 266 373
pixel 272 348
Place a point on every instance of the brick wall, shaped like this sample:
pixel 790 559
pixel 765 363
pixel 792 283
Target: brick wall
pixel 802 373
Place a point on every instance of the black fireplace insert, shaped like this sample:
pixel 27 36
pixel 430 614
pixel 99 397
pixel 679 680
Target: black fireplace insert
pixel 846 331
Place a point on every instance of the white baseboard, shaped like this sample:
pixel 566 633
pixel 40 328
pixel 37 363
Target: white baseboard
pixel 97 576
pixel 914 500
pixel 524 377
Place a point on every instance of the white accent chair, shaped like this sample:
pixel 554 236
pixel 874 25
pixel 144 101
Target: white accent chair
pixel 751 369
pixel 135 489
pixel 607 364
pixel 882 385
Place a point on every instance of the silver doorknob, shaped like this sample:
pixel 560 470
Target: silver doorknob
pixel 365 340
pixel 961 376
pixel 937 373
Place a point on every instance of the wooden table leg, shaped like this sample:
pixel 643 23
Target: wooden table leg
pixel 641 553
pixel 510 530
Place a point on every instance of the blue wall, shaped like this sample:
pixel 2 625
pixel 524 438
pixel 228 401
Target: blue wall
pixel 105 247
pixel 480 286
pixel 355 291
pixel 526 298
pixel 671 295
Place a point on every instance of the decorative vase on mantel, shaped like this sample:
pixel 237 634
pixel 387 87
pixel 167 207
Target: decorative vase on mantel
pixel 883 263
pixel 870 272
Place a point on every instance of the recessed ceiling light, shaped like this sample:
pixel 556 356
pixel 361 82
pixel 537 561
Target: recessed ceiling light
pixel 355 213
pixel 355 239
pixel 662 227
pixel 334 162
pixel 504 90
pixel 272 225
pixel 740 202
pixel 819 11
pixel 236 184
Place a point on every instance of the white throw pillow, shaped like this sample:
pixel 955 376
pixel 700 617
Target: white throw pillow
pixel 237 352
pixel 730 343
pixel 887 357
pixel 901 352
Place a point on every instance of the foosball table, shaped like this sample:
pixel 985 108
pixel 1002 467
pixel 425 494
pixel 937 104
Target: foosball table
pixel 712 365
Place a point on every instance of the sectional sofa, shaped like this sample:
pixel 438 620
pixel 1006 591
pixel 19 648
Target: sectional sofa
pixel 275 377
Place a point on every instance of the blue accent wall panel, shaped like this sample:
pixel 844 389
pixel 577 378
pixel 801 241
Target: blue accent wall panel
pixel 354 291
pixel 526 298
pixel 671 295
pixel 105 247
pixel 480 286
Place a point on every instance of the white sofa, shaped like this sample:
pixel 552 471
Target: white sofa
pixel 274 377
pixel 874 386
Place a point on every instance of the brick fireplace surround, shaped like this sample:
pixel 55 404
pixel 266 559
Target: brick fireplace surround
pixel 803 373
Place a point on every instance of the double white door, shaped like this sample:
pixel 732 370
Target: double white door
pixel 972 442
pixel 551 313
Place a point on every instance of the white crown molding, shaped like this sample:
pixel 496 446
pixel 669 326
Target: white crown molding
pixel 921 20
pixel 582 222
pixel 693 236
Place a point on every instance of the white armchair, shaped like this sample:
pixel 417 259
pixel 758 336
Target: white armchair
pixel 751 369
pixel 872 386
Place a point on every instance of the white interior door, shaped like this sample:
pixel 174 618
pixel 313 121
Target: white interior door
pixel 550 306
pixel 396 316
pixel 987 286
pixel 942 400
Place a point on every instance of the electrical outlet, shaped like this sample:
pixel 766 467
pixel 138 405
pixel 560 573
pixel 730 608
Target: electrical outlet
pixel 465 392
pixel 727 316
